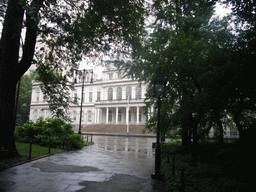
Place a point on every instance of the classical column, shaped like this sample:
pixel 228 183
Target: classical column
pixel 127 115
pixel 138 113
pixel 116 115
pixel 107 116
pixel 98 114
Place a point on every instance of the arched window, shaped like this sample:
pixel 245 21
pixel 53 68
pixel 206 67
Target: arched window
pixel 138 92
pixel 128 92
pixel 119 93
pixel 110 94
pixel 89 116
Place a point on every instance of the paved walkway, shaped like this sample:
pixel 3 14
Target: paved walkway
pixel 125 166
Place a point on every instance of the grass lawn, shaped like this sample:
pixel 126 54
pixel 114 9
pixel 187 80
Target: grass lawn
pixel 23 149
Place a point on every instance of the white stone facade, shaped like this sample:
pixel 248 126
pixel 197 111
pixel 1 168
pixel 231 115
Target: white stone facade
pixel 105 101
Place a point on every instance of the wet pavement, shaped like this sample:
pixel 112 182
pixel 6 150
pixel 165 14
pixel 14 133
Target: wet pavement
pixel 111 164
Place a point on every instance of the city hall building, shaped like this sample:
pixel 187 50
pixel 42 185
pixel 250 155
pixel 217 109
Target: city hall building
pixel 110 100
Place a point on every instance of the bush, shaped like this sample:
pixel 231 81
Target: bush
pixel 52 132
pixel 215 170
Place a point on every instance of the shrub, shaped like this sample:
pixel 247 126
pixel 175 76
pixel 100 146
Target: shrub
pixel 52 132
pixel 212 172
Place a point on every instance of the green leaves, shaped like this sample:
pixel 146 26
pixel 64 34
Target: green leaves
pixel 52 132
pixel 71 30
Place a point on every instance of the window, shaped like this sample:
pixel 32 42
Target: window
pixel 110 116
pixel 130 117
pixel 83 98
pixel 74 115
pixel 98 96
pixel 42 113
pixel 89 116
pixel 119 75
pixel 138 92
pixel 37 95
pixel 75 97
pixel 110 76
pixel 139 115
pixel 128 92
pixel 119 93
pixel 49 113
pixel 90 96
pixel 110 94
pixel 82 119
pixel 35 114
pixel 119 116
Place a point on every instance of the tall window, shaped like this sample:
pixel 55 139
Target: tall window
pixel 119 75
pixel 110 116
pixel 49 113
pixel 89 116
pixel 110 94
pixel 42 113
pixel 110 76
pixel 82 119
pixel 119 93
pixel 138 92
pixel 90 96
pixel 75 97
pixel 35 114
pixel 74 115
pixel 119 116
pixel 128 92
pixel 98 96
pixel 37 95
pixel 83 98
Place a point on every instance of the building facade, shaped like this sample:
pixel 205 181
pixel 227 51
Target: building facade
pixel 105 101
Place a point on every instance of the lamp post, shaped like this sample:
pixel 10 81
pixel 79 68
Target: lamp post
pixel 159 86
pixel 83 74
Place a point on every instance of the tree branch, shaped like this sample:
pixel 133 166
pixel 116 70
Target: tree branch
pixel 31 34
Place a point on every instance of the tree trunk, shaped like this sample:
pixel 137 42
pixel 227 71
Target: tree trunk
pixel 9 75
pixel 11 69
pixel 185 132
pixel 221 132
pixel 7 101
pixel 238 125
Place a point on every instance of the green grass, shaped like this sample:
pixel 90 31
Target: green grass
pixel 23 149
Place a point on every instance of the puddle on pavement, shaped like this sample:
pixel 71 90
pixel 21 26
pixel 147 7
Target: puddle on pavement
pixel 46 166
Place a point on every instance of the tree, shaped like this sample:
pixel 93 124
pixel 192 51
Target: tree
pixel 69 30
pixel 191 49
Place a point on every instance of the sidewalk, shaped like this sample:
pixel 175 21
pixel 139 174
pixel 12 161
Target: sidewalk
pixel 92 169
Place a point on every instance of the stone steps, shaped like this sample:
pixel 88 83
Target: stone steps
pixel 115 129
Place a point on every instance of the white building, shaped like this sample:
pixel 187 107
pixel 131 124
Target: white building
pixel 105 101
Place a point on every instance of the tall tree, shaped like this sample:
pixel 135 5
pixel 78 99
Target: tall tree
pixel 182 44
pixel 69 30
